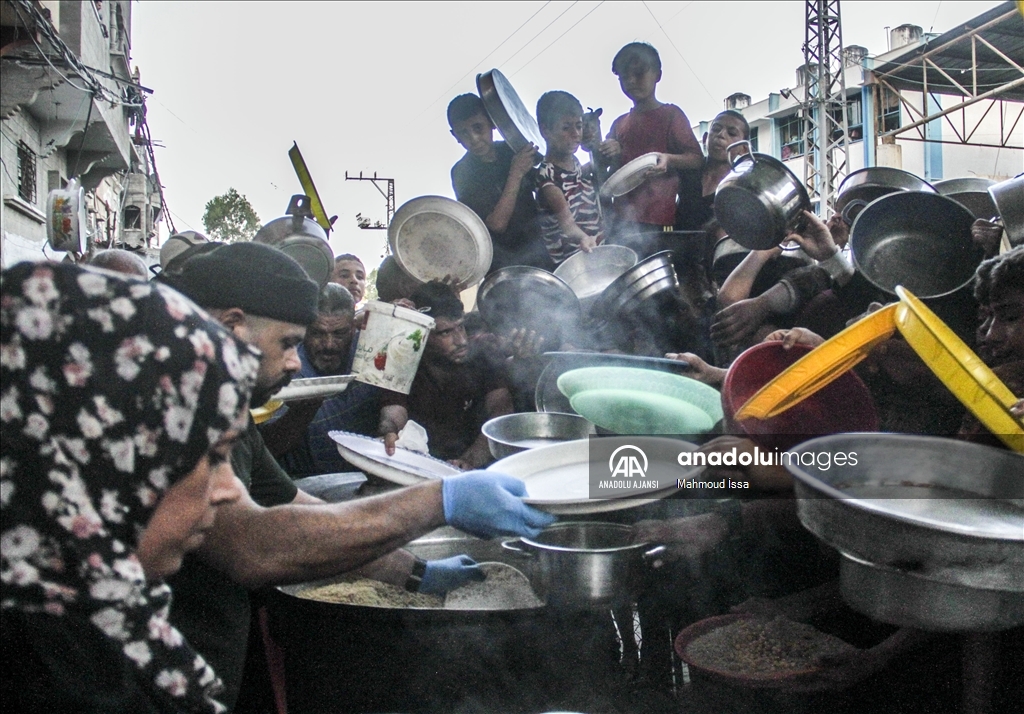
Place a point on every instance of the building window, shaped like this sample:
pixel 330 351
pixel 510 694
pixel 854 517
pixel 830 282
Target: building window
pixel 753 138
pixel 132 219
pixel 791 136
pixel 888 110
pixel 26 173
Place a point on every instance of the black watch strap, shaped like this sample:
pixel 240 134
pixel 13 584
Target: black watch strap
pixel 419 569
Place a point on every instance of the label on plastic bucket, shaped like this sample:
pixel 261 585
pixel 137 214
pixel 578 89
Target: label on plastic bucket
pixel 390 346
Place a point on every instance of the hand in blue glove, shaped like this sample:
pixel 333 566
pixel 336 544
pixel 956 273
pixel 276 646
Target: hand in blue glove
pixel 488 504
pixel 450 573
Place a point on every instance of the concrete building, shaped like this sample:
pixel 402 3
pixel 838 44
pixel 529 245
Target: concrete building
pixel 968 123
pixel 70 107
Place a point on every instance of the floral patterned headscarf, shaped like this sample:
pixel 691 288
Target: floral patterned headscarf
pixel 111 390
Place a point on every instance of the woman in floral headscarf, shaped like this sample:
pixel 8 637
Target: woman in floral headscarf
pixel 119 403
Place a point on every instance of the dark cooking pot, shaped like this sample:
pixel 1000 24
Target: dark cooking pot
pixel 921 241
pixel 348 658
pixel 862 187
pixel 970 192
pixel 760 201
pixel 588 565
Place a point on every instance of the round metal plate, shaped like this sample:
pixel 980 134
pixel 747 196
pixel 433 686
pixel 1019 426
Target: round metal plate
pixel 433 237
pixel 629 176
pixel 514 121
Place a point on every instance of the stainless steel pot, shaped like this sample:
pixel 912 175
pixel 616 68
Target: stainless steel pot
pixel 864 186
pixel 903 598
pixel 970 192
pixel 302 238
pixel 588 565
pixel 521 296
pixel 588 274
pixel 1009 199
pixel 760 201
pixel 513 433
pixel 932 509
pixel 921 241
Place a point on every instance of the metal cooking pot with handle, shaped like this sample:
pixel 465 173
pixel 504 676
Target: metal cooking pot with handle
pixel 862 187
pixel 1009 199
pixel 588 565
pixel 760 201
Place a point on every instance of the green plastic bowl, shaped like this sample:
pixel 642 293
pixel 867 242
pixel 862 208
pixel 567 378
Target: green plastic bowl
pixel 626 411
pixel 648 381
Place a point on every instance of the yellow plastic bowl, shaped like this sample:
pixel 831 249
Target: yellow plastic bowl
pixel 955 364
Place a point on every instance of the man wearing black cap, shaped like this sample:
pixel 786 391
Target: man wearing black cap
pixel 277 534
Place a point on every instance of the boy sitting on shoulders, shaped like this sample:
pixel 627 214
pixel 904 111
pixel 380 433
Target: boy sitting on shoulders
pixel 650 126
pixel 490 180
pixel 570 216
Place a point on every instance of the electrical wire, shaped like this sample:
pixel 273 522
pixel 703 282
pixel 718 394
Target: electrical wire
pixel 447 92
pixel 653 17
pixel 509 59
pixel 557 38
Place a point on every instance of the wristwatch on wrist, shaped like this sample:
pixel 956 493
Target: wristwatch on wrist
pixel 419 569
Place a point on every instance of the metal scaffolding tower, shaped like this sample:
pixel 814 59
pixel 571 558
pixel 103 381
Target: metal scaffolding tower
pixel 389 197
pixel 824 107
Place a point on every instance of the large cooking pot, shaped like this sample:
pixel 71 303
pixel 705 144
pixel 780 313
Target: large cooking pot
pixel 919 508
pixel 760 200
pixel 919 240
pixel 862 187
pixel 349 658
pixel 520 296
pixel 1009 199
pixel 588 565
pixel 971 192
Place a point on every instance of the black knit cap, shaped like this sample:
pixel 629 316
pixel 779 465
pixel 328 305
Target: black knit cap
pixel 256 278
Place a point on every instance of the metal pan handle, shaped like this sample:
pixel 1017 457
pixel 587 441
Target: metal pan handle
pixel 749 155
pixel 655 552
pixel 851 209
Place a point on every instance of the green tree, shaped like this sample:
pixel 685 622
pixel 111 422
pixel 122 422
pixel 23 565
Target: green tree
pixel 230 218
pixel 371 286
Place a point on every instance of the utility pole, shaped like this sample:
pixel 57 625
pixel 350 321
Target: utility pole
pixel 389 197
pixel 824 108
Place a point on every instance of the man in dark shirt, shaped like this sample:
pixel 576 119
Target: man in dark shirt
pixel 275 533
pixel 494 181
pixel 453 393
pixel 328 350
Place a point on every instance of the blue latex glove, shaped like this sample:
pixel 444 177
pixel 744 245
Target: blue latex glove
pixel 450 573
pixel 488 504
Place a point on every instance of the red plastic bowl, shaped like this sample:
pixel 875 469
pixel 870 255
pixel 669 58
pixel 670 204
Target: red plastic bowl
pixel 844 405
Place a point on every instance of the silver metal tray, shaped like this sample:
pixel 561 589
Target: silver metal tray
pixel 507 111
pixel 629 176
pixel 433 237
pixel 310 387
pixel 941 509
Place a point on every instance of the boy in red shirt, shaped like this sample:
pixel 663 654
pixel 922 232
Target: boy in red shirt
pixel 650 126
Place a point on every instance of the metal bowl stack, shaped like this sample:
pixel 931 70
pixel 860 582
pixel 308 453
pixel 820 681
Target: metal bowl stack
pixel 651 276
pixel 588 274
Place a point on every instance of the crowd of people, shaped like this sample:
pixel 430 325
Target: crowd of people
pixel 131 467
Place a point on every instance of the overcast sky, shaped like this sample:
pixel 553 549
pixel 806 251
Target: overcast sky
pixel 364 86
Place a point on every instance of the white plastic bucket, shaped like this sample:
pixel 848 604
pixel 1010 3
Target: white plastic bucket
pixel 390 346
